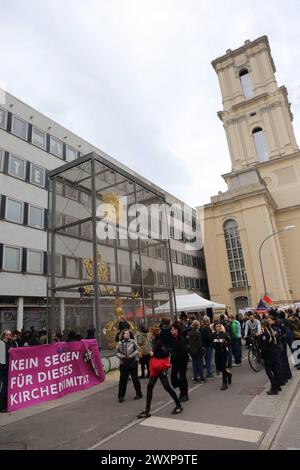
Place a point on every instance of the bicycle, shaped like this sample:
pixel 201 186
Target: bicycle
pixel 254 355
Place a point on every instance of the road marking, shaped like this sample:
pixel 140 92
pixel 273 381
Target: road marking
pixel 136 421
pixel 204 429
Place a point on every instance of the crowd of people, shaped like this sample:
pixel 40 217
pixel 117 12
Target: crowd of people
pixel 210 346
pixel 172 345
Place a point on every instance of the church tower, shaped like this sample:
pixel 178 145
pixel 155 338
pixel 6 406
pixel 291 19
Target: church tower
pixel 256 113
pixel 252 230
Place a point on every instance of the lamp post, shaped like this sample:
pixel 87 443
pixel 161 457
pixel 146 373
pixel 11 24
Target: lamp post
pixel 285 229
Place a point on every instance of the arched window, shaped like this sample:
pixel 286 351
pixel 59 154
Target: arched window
pixel 260 144
pixel 234 253
pixel 246 83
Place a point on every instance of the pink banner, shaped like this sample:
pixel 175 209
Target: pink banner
pixel 50 371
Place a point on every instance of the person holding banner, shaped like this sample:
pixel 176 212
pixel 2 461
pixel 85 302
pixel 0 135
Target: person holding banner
pixel 127 352
pixel 4 348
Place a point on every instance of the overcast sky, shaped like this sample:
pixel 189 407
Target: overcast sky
pixel 134 77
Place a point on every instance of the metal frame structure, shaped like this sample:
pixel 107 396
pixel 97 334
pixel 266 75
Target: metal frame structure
pixel 56 231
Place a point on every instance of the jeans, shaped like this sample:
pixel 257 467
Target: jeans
pixel 209 350
pixel 237 350
pixel 197 366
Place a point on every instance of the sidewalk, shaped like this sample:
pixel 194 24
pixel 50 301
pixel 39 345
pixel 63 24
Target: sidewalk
pixel 288 436
pixel 111 379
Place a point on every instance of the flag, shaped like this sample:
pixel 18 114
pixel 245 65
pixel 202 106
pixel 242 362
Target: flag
pixel 267 300
pixel 262 305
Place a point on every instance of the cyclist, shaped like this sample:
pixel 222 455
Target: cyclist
pixel 252 328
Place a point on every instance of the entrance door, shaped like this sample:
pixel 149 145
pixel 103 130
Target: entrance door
pixel 240 302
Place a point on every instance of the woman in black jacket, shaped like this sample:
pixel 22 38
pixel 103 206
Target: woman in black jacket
pixel 196 352
pixel 221 342
pixel 179 360
pixel 159 351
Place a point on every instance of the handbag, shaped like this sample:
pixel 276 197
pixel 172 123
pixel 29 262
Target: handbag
pixel 158 365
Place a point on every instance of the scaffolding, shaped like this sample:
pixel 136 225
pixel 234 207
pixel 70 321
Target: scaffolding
pixel 108 251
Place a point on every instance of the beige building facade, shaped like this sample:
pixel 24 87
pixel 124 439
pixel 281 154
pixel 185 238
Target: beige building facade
pixel 263 195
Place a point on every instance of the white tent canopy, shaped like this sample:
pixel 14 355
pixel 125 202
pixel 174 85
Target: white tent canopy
pixel 189 303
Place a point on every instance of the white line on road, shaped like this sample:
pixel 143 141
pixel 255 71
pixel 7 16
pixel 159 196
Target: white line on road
pixel 204 429
pixel 135 422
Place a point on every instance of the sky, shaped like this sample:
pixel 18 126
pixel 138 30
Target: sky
pixel 134 77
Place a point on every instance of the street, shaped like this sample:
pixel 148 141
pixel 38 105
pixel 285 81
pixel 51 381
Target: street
pixel 242 417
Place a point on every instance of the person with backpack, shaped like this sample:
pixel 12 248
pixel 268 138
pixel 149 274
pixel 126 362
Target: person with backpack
pixel 144 343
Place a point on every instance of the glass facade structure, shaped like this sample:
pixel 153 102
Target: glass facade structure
pixel 107 245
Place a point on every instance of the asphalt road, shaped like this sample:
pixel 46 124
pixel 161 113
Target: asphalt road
pixel 238 418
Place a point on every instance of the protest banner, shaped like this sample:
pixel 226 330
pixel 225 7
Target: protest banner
pixel 50 371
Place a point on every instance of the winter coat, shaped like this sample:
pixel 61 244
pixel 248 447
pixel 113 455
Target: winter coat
pixel 220 342
pixel 206 335
pixel 195 343
pixel 179 351
pixel 127 352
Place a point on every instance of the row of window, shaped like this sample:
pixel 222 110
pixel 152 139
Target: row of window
pixel 25 260
pixel 22 169
pixel 72 267
pixel 34 135
pixel 190 283
pixel 21 212
pixel 187 260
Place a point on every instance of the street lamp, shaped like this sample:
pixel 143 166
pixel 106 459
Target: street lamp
pixel 285 229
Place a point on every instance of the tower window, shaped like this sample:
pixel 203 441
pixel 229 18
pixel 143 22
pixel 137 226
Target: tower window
pixel 260 144
pixel 234 253
pixel 246 83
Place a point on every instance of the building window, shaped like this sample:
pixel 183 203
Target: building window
pixel 72 267
pixel 246 83
pixel 17 167
pixel 37 175
pixel 2 118
pixel 14 210
pixel 12 258
pixel 19 127
pixel 175 280
pixel 160 252
pixel 71 192
pixel 162 281
pixel 58 265
pixel 34 261
pixel 1 159
pixel 56 147
pixel 39 138
pixel 260 144
pixel 234 253
pixel 74 229
pixel 71 153
pixel 36 217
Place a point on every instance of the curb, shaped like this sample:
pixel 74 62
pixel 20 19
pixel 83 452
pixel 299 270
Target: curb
pixel 289 396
